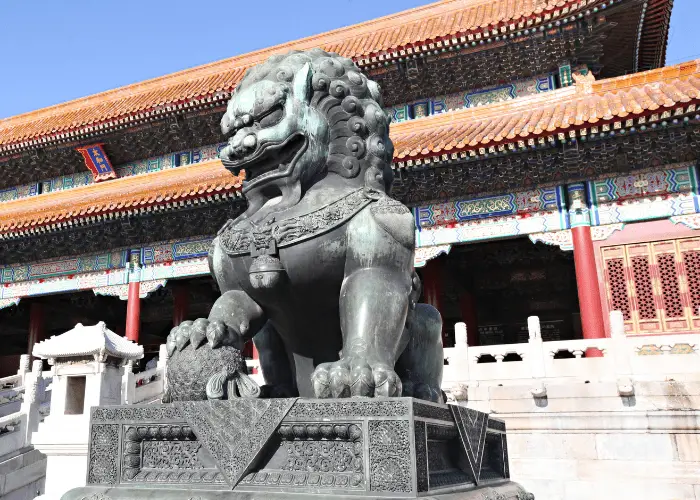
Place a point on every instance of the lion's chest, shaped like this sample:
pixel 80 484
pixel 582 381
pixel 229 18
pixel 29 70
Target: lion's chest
pixel 288 252
pixel 308 273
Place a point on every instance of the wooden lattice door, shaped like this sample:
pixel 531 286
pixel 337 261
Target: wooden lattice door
pixel 656 285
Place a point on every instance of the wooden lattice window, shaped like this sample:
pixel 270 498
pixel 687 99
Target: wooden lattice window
pixel 656 285
pixel 619 296
pixel 691 261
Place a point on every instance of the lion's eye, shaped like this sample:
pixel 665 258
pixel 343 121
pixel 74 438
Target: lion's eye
pixel 272 117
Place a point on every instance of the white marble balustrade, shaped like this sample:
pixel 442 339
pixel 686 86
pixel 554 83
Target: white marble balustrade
pixel 660 357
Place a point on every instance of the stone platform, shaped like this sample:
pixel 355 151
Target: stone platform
pixel 22 474
pixel 242 449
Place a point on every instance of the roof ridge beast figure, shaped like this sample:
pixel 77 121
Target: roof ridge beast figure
pixel 319 269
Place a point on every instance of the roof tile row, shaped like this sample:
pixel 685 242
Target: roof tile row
pixel 548 113
pixel 582 105
pixel 434 21
pixel 128 193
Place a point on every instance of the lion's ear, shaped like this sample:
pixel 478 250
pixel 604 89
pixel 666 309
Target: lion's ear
pixel 301 85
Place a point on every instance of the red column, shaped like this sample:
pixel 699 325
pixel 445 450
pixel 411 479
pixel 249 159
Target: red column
pixel 181 303
pixel 36 325
pixel 592 322
pixel 432 286
pixel 250 351
pixel 133 311
pixel 255 356
pixel 467 307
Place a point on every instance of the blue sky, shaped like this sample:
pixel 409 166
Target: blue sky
pixel 54 51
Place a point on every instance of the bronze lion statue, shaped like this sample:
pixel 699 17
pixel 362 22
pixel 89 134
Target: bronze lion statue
pixel 319 269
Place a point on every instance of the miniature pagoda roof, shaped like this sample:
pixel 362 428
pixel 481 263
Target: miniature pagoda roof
pixel 423 30
pixel 95 340
pixel 586 104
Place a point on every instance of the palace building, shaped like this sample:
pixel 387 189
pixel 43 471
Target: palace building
pixel 549 157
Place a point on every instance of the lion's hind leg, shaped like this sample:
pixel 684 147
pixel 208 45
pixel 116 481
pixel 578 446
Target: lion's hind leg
pixel 277 368
pixel 421 363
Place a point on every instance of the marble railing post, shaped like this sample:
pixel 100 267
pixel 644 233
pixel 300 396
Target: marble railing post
pixel 24 367
pixel 461 358
pixel 128 384
pixel 163 365
pixel 536 356
pixel 621 354
pixel 33 396
pixel 162 356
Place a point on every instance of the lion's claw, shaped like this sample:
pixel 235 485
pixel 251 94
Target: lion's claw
pixel 217 334
pixel 355 377
pixel 197 332
pixel 182 335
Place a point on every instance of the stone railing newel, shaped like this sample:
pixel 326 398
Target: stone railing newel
pixel 128 384
pixel 621 349
pixel 461 352
pixel 24 368
pixel 536 357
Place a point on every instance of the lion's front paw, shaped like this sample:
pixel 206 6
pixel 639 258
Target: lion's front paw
pixel 197 331
pixel 355 377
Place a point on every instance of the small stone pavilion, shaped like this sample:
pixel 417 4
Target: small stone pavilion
pixel 88 364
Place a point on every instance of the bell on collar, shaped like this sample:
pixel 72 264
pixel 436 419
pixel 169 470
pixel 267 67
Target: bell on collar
pixel 265 272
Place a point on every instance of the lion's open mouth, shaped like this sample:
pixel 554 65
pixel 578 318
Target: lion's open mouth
pixel 270 159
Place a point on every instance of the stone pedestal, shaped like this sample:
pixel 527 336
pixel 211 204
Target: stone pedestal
pixel 366 448
pixel 23 468
pixel 22 474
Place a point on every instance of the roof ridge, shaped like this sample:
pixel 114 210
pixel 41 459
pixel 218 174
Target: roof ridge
pixel 440 8
pixel 449 134
pixel 369 42
pixel 217 66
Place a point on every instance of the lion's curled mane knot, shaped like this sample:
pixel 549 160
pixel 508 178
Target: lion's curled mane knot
pixel 352 104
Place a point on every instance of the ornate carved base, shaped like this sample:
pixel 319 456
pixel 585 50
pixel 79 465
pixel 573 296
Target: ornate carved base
pixel 367 448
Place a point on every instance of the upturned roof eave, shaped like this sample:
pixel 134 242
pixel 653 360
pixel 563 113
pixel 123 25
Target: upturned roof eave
pixel 82 116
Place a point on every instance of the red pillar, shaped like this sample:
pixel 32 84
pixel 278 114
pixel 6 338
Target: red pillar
pixel 255 356
pixel 592 323
pixel 432 286
pixel 181 303
pixel 467 307
pixel 36 325
pixel 250 351
pixel 133 311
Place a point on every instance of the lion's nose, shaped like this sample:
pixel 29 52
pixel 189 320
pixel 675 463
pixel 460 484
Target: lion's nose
pixel 249 141
pixel 239 147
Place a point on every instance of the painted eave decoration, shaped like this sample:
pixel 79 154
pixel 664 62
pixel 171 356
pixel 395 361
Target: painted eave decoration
pixel 617 105
pixel 95 340
pixel 163 190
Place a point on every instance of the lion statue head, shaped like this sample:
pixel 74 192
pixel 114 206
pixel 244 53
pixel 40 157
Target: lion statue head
pixel 300 117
